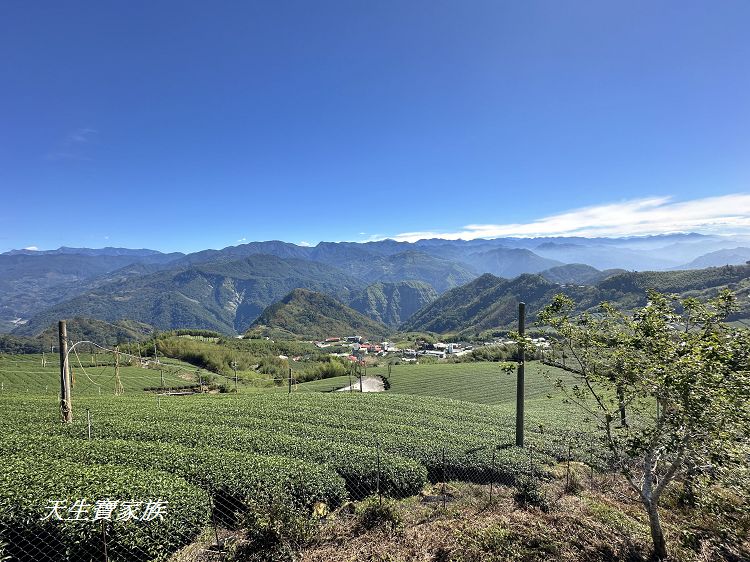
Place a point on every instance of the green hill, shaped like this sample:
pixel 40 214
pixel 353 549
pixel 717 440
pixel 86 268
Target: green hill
pixel 393 303
pixel 79 329
pixel 492 302
pixel 312 315
pixel 487 302
pixel 578 274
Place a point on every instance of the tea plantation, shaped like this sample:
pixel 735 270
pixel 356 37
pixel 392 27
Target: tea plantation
pixel 210 456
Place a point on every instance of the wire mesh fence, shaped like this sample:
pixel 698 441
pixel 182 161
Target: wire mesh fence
pixel 173 467
pixel 105 489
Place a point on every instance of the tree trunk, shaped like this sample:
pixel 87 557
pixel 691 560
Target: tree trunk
pixel 621 401
pixel 657 535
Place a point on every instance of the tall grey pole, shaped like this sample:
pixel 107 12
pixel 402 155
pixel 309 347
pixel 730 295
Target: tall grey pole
pixel 66 408
pixel 520 377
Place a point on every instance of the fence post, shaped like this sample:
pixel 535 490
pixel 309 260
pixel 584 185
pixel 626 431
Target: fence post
pixel 591 462
pixel 66 408
pixel 380 495
pixel 492 477
pixel 88 422
pixel 520 385
pixel 290 381
pixel 104 541
pixel 443 478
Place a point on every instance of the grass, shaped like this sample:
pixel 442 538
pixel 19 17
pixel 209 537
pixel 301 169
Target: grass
pixel 92 376
pixel 484 383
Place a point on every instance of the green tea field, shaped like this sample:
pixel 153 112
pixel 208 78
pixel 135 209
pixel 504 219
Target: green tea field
pixel 216 455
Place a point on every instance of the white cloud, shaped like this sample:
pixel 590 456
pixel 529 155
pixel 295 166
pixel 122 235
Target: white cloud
pixel 32 248
pixel 73 146
pixel 305 244
pixel 241 240
pixel 726 214
pixel 80 135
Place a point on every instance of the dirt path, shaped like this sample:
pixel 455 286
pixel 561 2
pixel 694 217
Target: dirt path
pixel 369 384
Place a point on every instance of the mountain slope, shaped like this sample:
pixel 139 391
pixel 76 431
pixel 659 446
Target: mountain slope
pixel 79 329
pixel 509 262
pixel 393 303
pixel 487 302
pixel 731 256
pixel 491 302
pixel 578 274
pixel 442 274
pixel 312 315
pixel 222 296
pixel 33 281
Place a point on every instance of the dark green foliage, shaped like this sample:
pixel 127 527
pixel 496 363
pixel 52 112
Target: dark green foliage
pixel 23 502
pixel 20 344
pixel 311 315
pixel 233 478
pixel 79 329
pixel 486 302
pixel 276 531
pixel 578 274
pixel 529 493
pixel 377 512
pixel 490 302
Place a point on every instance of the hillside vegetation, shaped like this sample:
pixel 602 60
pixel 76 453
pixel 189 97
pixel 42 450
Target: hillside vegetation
pixel 393 303
pixel 491 302
pixel 312 315
pixel 222 296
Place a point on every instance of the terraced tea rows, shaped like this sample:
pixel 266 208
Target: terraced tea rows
pixel 303 448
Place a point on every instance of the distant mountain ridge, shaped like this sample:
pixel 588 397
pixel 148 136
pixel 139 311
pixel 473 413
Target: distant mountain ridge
pixel 221 296
pixel 209 289
pixel 728 256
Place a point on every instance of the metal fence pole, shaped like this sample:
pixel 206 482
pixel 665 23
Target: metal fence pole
pixel 520 383
pixel 492 478
pixel 443 478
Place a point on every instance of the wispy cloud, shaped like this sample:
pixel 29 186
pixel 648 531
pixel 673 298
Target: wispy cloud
pixel 32 248
pixel 304 243
pixel 241 240
pixel 726 214
pixel 73 145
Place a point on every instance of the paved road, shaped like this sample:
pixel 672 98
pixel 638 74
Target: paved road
pixel 369 384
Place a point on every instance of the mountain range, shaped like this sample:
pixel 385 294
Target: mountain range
pixel 393 283
pixel 490 302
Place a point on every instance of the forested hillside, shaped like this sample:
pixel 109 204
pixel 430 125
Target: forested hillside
pixel 310 315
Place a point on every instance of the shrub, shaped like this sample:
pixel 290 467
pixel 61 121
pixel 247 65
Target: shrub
pixel 529 493
pixel 374 512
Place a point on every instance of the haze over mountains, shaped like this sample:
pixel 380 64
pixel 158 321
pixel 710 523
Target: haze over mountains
pixel 389 282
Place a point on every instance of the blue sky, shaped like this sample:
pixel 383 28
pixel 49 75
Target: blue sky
pixel 185 125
